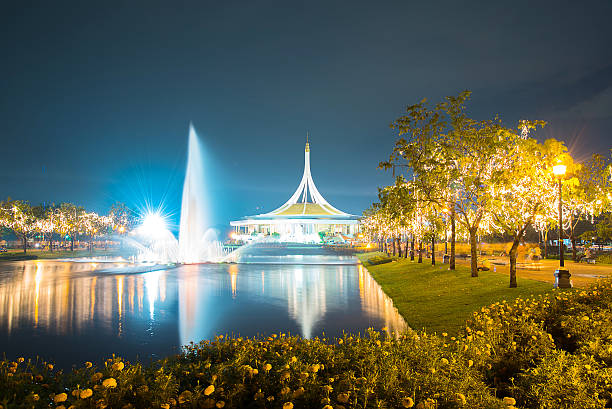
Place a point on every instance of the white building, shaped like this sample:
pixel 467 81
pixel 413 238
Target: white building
pixel 300 219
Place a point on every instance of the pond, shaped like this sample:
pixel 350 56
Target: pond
pixel 76 311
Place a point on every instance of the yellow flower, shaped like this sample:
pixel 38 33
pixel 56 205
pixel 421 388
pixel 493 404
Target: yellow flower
pixel 298 392
pixel 470 363
pixel 118 366
pixel 209 389
pixel 86 393
pixel 88 364
pixel 50 367
pixel 315 368
pixel 285 375
pixel 444 361
pixel 109 383
pixel 293 359
pixel 20 360
pixel 509 401
pixel 165 406
pixel 343 397
pixel 220 404
pixel 407 402
pixel 328 407
pixel 287 405
pixel 267 367
pixel 460 399
pixel 96 377
pixel 186 396
pixel 60 398
pixel 35 397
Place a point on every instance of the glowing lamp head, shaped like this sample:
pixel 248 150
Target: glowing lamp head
pixel 559 170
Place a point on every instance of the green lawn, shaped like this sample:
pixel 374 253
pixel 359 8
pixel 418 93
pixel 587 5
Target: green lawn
pixel 439 300
pixel 33 254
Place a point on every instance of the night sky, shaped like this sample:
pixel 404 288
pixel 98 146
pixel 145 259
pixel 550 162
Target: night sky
pixel 96 96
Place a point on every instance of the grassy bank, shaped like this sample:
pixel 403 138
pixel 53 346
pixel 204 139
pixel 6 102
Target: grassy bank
pixel 551 351
pixel 33 254
pixel 439 300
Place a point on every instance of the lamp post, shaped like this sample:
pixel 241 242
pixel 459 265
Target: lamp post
pixel 562 275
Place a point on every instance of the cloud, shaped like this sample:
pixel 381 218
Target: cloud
pixel 598 106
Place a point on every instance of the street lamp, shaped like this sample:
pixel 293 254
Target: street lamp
pixel 562 275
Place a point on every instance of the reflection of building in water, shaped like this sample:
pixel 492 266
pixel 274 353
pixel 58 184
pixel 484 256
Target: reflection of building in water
pixel 306 298
pixel 374 301
pixel 60 298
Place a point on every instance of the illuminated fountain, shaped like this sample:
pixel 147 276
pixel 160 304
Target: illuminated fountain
pixel 154 242
pixel 196 244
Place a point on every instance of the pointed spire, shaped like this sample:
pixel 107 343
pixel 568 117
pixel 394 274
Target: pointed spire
pixel 307 144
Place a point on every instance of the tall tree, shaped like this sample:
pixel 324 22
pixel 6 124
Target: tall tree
pixel 19 216
pixel 526 190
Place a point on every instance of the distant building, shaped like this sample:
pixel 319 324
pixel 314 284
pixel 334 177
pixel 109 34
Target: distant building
pixel 300 220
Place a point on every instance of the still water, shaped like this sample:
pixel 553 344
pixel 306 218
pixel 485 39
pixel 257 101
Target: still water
pixel 71 312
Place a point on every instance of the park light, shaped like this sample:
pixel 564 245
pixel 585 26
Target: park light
pixel 121 229
pixel 562 275
pixel 559 170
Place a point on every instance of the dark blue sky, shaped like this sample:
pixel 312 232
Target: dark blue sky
pixel 96 97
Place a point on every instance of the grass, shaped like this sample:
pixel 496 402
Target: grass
pixel 33 254
pixel 437 299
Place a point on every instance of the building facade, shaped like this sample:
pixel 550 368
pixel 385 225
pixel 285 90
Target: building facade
pixel 305 218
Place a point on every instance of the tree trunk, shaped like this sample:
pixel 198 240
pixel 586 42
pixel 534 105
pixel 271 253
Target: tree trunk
pixel 420 251
pixel 399 247
pixel 406 248
pixel 512 254
pixel 386 248
pixel 546 244
pixel 433 251
pixel 412 249
pixel 393 243
pixel 473 252
pixel 451 262
pixel 573 240
pixel 71 242
pixel 25 244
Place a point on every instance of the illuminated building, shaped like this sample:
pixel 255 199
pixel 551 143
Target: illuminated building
pixel 300 219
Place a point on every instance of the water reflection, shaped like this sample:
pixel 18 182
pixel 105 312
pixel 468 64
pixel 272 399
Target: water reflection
pixel 50 308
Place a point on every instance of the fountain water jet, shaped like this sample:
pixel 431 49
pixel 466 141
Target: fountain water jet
pixel 196 243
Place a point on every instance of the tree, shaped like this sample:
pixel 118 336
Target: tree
pixel 19 216
pixel 70 222
pixel 526 190
pixel 423 145
pixel 121 218
pixel 584 193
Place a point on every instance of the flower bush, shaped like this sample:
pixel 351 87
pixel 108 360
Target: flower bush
pixel 548 352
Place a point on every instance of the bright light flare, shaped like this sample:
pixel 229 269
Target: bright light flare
pixel 153 225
